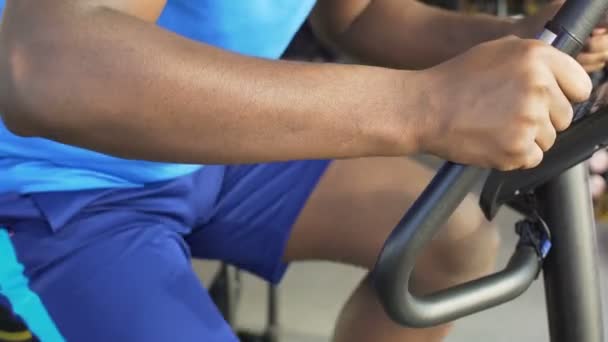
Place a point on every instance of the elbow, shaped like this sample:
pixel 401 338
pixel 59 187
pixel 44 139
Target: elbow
pixel 19 124
pixel 16 126
pixel 12 113
pixel 13 102
pixel 16 118
pixel 25 84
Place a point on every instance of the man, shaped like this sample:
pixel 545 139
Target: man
pixel 104 242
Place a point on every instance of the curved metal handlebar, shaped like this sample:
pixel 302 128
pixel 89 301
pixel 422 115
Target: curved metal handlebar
pixel 567 32
pixel 393 270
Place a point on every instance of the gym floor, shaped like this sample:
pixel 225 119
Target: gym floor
pixel 312 293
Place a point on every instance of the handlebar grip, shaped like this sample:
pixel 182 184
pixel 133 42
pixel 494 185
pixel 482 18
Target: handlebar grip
pixel 567 32
pixel 578 18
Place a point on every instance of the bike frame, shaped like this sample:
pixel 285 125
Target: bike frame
pixel 570 271
pixel 553 197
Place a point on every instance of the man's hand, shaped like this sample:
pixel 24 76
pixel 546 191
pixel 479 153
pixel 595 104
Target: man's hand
pixel 595 55
pixel 501 104
pixel 598 165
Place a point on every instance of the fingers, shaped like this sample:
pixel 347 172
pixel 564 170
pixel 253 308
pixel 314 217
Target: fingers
pixel 561 111
pixel 599 162
pixel 524 153
pixel 597 44
pixel 546 132
pixel 588 58
pixel 571 77
pixel 594 67
pixel 534 157
pixel 527 150
pixel 545 137
pixel 535 101
pixel 553 115
pixel 557 119
pixel 595 56
pixel 597 185
pixel 554 83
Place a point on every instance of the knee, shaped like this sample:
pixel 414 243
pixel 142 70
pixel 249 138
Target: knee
pixel 468 244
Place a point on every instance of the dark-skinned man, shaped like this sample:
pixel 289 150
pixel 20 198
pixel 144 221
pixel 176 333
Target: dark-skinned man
pixel 139 133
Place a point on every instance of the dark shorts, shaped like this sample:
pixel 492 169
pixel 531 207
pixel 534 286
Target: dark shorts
pixel 114 265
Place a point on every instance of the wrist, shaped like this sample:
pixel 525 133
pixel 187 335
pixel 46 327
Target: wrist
pixel 414 123
pixel 426 112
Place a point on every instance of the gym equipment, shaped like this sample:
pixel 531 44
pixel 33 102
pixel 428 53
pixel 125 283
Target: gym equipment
pixel 555 201
pixel 556 204
pixel 11 330
pixel 225 290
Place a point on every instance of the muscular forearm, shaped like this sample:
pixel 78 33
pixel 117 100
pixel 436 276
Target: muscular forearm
pixel 115 84
pixel 403 33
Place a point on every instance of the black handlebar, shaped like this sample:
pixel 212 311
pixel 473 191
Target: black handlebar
pixel 577 18
pixel 567 32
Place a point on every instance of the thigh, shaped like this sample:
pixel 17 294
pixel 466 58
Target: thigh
pixel 132 282
pixel 356 205
pixel 256 208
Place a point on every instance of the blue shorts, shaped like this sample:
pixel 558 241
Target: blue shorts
pixel 114 265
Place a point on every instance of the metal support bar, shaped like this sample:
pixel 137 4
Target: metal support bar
pixel 273 328
pixel 571 269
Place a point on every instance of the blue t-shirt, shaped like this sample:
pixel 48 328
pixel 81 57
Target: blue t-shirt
pixel 261 28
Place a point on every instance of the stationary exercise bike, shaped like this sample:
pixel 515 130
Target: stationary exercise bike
pixel 557 234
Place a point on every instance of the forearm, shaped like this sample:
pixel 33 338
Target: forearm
pixel 403 33
pixel 114 84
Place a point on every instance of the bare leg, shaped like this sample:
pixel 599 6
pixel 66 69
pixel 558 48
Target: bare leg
pixel 348 218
